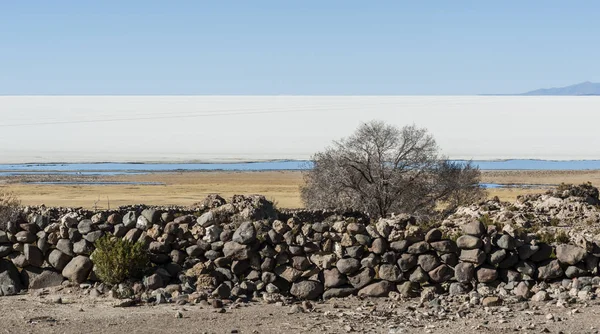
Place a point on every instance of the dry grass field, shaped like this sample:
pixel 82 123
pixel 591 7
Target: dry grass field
pixel 186 188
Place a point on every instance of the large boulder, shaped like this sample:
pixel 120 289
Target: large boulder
pixel 245 234
pixel 307 290
pixel 33 255
pixel 379 289
pixel 38 278
pixel 78 269
pixel 348 266
pixel 570 254
pixel 235 251
pixel 58 259
pixel 10 280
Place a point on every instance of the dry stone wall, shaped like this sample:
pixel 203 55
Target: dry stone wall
pixel 247 249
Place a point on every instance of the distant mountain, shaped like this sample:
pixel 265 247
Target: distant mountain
pixel 584 88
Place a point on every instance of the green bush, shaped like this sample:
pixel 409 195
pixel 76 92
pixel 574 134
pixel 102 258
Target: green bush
pixel 116 260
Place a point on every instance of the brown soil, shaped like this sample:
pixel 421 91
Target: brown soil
pixel 189 187
pixel 83 314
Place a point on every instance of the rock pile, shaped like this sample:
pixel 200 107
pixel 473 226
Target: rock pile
pixel 247 249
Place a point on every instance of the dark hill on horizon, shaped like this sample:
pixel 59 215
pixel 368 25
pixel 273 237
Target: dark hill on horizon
pixel 580 89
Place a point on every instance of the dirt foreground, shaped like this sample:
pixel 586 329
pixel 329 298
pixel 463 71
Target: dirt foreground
pixel 78 313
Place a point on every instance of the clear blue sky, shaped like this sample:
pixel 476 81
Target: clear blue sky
pixel 296 47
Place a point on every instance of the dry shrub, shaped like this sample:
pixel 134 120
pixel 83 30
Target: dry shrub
pixel 9 205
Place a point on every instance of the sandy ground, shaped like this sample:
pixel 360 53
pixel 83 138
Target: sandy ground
pixel 281 186
pixel 80 313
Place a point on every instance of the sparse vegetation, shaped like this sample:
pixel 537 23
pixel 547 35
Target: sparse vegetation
pixel 116 259
pixel 561 237
pixel 9 205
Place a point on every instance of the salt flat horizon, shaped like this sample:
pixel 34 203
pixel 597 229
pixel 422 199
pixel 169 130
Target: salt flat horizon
pixel 218 129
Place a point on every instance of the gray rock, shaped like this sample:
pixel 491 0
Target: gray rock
pixel 540 296
pixel 348 266
pixel 450 259
pixel 444 246
pixel 222 291
pixel 575 271
pixel 433 235
pixel 486 274
pixel 309 290
pixel 409 289
pixel 497 256
pixel 288 273
pixel 151 215
pixel 476 256
pixel 42 279
pixel 3 237
pixel 379 246
pixel 129 219
pixel 441 274
pixel 143 223
pixel 526 251
pixel 58 259
pixel 400 246
pixel 92 237
pixel 390 272
pixel 543 253
pixel 459 288
pixel 379 289
pixel 154 282
pixel 82 247
pixel 406 262
pixel 549 270
pixel 418 276
pixel 362 278
pixel 10 280
pixel 338 293
pixel 475 228
pixel 85 226
pixel 506 242
pixel 25 237
pixel 245 234
pixel 428 261
pixel 206 219
pixel 33 255
pixel 236 251
pixel 333 278
pixel 78 269
pixel 18 260
pixel 522 290
pixel 468 242
pixel 570 254
pixel 526 268
pixel 5 250
pixel 65 246
pixel 418 248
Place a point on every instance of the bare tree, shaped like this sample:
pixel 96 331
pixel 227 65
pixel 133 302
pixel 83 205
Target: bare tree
pixel 382 169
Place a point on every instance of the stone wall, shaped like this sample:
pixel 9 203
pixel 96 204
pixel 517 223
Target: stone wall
pixel 247 249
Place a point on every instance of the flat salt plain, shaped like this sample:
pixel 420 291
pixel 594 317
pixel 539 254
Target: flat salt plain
pixel 38 129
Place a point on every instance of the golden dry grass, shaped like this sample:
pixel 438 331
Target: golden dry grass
pixel 282 186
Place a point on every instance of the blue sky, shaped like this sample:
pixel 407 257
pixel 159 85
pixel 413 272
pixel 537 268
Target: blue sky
pixel 296 47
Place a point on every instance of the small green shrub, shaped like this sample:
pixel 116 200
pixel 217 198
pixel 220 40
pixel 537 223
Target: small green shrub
pixel 116 260
pixel 545 237
pixel 554 221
